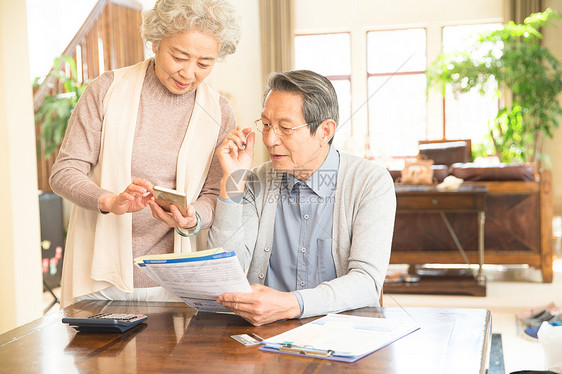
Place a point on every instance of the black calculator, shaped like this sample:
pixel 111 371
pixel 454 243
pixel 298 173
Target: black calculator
pixel 106 322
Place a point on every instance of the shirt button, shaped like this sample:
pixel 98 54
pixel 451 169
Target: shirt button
pixel 302 283
pixel 306 216
pixel 267 249
pixel 303 250
pixel 261 275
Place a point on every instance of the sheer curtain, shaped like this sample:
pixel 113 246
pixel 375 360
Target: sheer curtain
pixel 521 9
pixel 277 22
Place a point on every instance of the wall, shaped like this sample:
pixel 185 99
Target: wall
pixel 553 147
pixel 52 25
pixel 20 268
pixel 238 77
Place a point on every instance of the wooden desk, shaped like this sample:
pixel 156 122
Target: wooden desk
pixel 175 340
pixel 428 199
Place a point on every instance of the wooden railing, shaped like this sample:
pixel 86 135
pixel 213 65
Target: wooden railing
pixel 109 39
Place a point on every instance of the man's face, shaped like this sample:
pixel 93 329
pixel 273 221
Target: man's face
pixel 300 151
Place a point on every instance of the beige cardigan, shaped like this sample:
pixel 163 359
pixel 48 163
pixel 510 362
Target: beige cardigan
pixel 98 251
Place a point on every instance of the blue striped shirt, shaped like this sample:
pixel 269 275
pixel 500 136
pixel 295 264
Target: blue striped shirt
pixel 301 254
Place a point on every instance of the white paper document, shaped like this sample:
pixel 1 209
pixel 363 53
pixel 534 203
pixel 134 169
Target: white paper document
pixel 340 337
pixel 197 278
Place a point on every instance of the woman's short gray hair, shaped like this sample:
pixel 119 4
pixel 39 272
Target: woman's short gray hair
pixel 320 101
pixel 169 17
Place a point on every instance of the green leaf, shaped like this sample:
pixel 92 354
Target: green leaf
pixel 55 111
pixel 525 67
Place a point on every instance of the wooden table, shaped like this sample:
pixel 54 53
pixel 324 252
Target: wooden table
pixel 428 199
pixel 174 339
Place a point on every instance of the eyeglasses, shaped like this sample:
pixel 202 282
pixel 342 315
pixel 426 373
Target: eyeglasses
pixel 279 130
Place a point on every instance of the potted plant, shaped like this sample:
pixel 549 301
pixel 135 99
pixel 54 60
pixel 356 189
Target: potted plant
pixel 52 116
pixel 54 113
pixel 523 67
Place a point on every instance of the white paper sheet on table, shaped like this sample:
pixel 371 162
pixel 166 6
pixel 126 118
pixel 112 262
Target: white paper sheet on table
pixel 340 337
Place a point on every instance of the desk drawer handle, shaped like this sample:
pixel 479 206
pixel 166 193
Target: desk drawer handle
pixel 434 201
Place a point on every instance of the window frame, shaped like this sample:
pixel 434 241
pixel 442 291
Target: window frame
pixel 444 98
pixel 413 72
pixel 339 77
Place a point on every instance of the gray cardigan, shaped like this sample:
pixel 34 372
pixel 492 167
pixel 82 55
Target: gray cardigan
pixel 363 225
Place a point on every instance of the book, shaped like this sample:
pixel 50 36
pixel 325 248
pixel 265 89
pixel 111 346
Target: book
pixel 197 278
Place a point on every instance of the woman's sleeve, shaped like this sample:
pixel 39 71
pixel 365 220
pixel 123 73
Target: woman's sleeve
pixel 207 200
pixel 80 148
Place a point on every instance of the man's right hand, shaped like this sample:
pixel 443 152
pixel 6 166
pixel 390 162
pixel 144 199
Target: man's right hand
pixel 236 160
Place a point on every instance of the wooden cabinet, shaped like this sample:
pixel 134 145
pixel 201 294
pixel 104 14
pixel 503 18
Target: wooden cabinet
pixel 517 230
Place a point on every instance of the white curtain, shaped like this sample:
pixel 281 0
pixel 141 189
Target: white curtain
pixel 521 9
pixel 277 35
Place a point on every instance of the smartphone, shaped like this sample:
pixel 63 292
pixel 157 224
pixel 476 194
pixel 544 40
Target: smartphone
pixel 166 197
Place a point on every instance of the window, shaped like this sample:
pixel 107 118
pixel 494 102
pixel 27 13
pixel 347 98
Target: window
pixel 468 115
pixel 389 106
pixel 330 55
pixel 396 63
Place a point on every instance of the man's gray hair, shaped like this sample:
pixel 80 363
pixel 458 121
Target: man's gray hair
pixel 320 101
pixel 169 17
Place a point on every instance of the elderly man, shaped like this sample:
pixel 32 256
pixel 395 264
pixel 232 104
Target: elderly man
pixel 313 227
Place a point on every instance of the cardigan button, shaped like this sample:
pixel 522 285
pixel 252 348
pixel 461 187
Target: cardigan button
pixel 267 249
pixel 261 276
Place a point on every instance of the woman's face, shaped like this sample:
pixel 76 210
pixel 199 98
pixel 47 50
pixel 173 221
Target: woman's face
pixel 184 60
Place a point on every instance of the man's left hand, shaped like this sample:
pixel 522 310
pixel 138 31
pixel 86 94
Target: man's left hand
pixel 263 305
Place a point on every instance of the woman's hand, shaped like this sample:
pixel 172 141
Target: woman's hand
pixel 236 155
pixel 135 197
pixel 174 218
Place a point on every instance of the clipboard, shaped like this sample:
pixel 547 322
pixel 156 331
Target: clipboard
pixel 311 352
pixel 338 337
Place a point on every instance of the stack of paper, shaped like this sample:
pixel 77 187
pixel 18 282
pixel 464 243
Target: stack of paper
pixel 197 278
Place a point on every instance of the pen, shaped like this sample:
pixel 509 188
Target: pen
pixel 244 142
pixel 306 351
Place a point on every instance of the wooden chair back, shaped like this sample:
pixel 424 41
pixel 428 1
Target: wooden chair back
pixel 467 141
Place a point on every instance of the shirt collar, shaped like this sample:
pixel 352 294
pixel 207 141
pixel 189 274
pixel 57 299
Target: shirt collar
pixel 323 181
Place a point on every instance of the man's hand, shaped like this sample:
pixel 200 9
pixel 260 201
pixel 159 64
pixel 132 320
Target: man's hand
pixel 236 155
pixel 174 217
pixel 135 197
pixel 263 305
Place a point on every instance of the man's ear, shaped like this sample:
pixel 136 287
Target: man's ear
pixel 327 131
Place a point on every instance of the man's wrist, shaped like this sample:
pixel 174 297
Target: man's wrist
pixel 297 313
pixel 229 189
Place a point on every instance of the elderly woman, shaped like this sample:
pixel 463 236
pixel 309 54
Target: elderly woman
pixel 154 123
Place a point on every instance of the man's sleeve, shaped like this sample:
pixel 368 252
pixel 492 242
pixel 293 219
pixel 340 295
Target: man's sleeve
pixel 235 226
